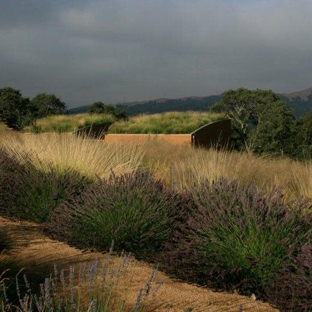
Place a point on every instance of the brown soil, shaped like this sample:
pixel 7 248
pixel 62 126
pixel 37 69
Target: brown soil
pixel 34 251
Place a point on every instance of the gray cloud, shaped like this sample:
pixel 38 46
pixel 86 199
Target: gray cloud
pixel 107 50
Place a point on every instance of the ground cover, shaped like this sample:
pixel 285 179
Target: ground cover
pixel 68 123
pixel 166 123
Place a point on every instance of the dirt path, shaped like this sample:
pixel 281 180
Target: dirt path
pixel 33 250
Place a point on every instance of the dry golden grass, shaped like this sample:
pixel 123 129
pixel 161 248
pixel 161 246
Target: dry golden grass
pixel 3 128
pixel 90 157
pixel 181 167
pixel 301 183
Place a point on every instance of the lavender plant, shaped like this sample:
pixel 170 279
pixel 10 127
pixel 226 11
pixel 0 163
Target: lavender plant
pixel 31 194
pixel 238 237
pixel 134 210
pixel 90 286
pixel 291 288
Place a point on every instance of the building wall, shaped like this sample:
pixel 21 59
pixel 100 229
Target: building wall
pixel 176 139
pixel 216 134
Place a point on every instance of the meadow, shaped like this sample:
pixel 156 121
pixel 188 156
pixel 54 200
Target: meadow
pixel 225 220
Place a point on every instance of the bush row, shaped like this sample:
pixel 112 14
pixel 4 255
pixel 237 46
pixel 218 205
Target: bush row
pixel 222 234
pixel 31 194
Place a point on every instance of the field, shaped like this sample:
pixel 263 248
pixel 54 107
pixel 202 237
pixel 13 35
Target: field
pixel 87 192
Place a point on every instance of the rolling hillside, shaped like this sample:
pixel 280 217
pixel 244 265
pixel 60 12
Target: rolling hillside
pixel 299 101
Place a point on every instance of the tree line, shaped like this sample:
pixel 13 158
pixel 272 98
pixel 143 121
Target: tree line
pixel 262 122
pixel 17 111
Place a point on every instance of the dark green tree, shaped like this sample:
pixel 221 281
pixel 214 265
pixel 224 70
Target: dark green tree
pixel 96 108
pixel 303 137
pixel 242 107
pixel 101 108
pixel 273 134
pixel 15 110
pixel 47 104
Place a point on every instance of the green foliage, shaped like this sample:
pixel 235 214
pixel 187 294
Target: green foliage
pixel 167 123
pixel 273 133
pixel 30 194
pixel 47 105
pixel 242 106
pixel 68 123
pixel 15 110
pixel 133 210
pixel 101 108
pixel 303 137
pixel 238 237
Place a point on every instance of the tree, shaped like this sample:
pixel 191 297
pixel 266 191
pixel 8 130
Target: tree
pixel 101 108
pixel 47 104
pixel 242 107
pixel 303 137
pixel 15 110
pixel 273 133
pixel 96 108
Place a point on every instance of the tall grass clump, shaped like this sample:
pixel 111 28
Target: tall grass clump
pixel 183 167
pixel 68 123
pixel 90 286
pixel 301 182
pixel 3 128
pixel 89 157
pixel 133 210
pixel 32 194
pixel 166 123
pixel 238 238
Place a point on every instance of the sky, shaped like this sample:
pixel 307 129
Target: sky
pixel 131 50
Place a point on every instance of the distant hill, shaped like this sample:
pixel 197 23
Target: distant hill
pixel 303 95
pixel 299 101
pixel 161 105
pixel 78 110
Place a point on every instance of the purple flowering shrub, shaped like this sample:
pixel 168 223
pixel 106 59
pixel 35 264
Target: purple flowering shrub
pixel 31 194
pixel 238 238
pixel 135 211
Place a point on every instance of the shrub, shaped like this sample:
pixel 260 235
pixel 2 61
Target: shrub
pixel 31 194
pixel 133 210
pixel 291 289
pixel 238 238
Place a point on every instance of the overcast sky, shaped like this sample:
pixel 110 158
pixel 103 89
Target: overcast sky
pixel 116 50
